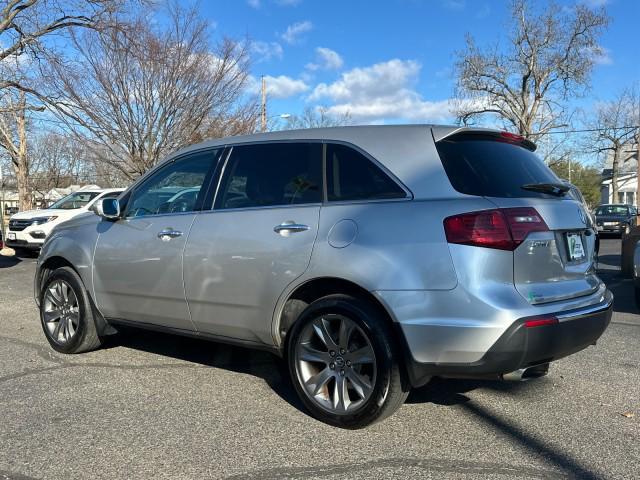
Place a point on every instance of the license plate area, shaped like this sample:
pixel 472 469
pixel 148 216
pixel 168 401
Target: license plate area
pixel 575 246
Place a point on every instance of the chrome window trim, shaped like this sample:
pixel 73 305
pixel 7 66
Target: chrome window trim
pixel 373 200
pixel 268 207
pixel 225 162
pixel 158 215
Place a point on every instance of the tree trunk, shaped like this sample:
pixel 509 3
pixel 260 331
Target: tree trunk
pixel 21 161
pixel 614 178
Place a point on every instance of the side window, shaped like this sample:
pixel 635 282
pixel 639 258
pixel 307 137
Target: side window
pixel 178 187
pixel 272 174
pixel 352 176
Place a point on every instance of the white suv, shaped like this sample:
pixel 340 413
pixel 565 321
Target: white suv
pixel 28 230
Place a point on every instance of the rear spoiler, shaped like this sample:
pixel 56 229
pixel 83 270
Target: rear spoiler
pixel 459 133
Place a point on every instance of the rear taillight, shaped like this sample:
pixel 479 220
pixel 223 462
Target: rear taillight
pixel 503 228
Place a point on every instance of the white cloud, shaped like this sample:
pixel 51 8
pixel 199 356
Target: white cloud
pixel 294 31
pixel 598 55
pixel 254 3
pixel 267 50
pixel 382 92
pixel 326 59
pixel 277 87
pixel 602 56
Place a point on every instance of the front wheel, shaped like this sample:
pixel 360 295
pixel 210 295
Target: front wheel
pixel 344 362
pixel 65 313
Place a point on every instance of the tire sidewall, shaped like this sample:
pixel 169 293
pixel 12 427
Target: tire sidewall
pixel 71 278
pixel 371 323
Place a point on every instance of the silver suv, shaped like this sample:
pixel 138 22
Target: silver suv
pixel 371 258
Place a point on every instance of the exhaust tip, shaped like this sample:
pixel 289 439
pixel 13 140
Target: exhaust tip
pixel 524 374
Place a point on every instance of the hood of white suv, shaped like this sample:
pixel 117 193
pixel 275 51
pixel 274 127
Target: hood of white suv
pixel 47 212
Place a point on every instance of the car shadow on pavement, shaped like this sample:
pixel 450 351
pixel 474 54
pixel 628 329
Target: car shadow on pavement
pixel 9 261
pixel 622 289
pixel 451 392
pixel 261 364
pixel 609 261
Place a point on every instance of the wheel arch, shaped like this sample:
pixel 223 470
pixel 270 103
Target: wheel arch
pixel 47 267
pixel 313 289
pixel 54 262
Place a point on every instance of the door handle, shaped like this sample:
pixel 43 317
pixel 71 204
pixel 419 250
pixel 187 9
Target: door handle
pixel 168 233
pixel 289 227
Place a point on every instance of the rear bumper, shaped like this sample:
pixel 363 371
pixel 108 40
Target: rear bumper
pixel 520 347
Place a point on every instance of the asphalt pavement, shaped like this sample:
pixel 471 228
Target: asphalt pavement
pixel 156 406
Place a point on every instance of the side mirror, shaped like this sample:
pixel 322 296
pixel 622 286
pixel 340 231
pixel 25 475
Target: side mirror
pixel 108 208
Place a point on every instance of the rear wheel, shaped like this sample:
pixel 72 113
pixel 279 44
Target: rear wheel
pixel 65 313
pixel 344 362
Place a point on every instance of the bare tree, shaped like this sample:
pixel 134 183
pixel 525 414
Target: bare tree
pixel 615 126
pixel 240 121
pixel 13 139
pixel 25 25
pixel 548 59
pixel 316 118
pixel 138 93
pixel 58 161
pixel 26 30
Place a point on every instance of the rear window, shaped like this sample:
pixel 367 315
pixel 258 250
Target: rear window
pixel 612 210
pixel 483 166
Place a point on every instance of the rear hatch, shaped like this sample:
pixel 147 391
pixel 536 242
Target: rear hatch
pixel 553 247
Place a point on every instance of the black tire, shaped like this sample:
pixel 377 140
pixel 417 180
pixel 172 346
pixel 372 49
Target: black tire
pixel 86 337
pixel 390 389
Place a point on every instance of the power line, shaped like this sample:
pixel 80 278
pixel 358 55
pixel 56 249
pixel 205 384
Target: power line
pixel 631 127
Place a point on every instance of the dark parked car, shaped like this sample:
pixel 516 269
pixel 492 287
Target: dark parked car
pixel 615 218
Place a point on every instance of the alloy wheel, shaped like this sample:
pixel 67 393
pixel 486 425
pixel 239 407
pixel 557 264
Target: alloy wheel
pixel 61 312
pixel 336 364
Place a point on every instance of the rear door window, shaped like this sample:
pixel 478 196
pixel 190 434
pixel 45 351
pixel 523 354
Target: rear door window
pixel 269 175
pixel 352 176
pixel 485 166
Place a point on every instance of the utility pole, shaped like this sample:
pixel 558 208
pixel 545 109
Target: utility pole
pixel 263 106
pixel 638 155
pixel 2 237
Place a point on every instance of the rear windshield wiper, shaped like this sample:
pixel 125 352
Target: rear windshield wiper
pixel 557 189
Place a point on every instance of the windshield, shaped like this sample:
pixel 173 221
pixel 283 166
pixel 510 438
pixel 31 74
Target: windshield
pixel 611 210
pixel 75 200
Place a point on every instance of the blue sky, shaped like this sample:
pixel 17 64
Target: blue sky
pixel 391 61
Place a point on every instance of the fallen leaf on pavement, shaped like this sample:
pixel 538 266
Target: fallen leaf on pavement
pixel 628 414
